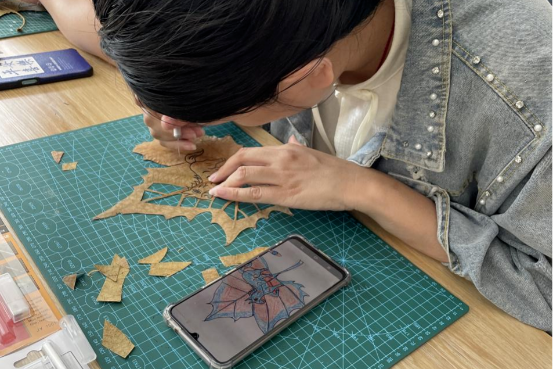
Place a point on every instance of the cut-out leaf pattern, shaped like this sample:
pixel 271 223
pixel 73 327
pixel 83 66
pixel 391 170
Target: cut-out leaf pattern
pixel 189 172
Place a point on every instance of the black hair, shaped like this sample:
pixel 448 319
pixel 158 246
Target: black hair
pixel 204 60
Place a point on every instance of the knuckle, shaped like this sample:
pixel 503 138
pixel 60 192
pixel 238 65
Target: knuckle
pixel 242 151
pixel 255 193
pixel 235 193
pixel 289 154
pixel 242 173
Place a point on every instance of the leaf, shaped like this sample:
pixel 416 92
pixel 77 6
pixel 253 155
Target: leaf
pixel 210 275
pixel 167 269
pixel 154 258
pixel 213 148
pixel 109 271
pixel 71 279
pixel 57 156
pixel 238 259
pixel 116 341
pixel 12 9
pixel 122 262
pixel 111 291
pixel 190 174
pixel 69 166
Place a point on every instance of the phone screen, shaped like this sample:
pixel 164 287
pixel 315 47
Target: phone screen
pixel 233 313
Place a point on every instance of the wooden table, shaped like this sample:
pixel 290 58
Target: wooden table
pixel 486 337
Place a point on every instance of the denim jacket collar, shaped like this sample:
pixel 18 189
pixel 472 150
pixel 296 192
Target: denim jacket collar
pixel 418 136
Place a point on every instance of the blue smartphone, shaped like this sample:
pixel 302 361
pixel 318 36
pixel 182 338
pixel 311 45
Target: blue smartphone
pixel 40 68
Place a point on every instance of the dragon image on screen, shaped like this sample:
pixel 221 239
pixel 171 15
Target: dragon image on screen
pixel 235 312
pixel 256 291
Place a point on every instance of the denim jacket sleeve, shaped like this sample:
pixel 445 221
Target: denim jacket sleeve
pixel 503 254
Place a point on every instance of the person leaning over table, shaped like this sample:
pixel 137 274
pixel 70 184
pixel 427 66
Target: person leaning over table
pixel 432 117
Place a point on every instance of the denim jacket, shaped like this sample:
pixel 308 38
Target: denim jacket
pixel 475 136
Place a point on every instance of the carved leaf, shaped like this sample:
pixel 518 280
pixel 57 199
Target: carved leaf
pixel 189 173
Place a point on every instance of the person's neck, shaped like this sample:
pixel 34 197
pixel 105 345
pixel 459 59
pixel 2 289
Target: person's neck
pixel 356 58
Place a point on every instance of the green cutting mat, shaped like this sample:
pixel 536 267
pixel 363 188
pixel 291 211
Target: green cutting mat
pixel 390 308
pixel 36 22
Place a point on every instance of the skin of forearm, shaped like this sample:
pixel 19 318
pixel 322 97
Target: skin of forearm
pixel 76 21
pixel 400 210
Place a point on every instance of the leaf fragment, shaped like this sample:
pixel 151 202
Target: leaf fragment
pixel 116 341
pixel 57 156
pixel 69 166
pixel 71 279
pixel 154 258
pixel 109 271
pixel 237 259
pixel 111 291
pixel 122 262
pixel 210 275
pixel 167 269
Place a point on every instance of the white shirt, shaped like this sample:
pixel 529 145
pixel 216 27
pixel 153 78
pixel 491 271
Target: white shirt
pixel 346 121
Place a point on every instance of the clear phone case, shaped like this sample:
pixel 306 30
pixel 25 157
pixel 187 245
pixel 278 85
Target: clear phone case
pixel 215 364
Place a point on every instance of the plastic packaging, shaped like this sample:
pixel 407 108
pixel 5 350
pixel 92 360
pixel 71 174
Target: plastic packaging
pixel 81 347
pixel 12 300
pixel 70 351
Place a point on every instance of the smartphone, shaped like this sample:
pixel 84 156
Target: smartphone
pixel 40 68
pixel 231 317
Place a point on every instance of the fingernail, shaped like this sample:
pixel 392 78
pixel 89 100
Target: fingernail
pixel 213 177
pixel 213 191
pixel 189 146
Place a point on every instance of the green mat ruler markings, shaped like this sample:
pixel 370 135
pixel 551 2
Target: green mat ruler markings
pixel 36 22
pixel 390 308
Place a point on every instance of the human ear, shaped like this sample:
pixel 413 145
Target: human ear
pixel 318 74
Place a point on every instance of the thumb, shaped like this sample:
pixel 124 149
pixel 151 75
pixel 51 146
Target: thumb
pixel 293 140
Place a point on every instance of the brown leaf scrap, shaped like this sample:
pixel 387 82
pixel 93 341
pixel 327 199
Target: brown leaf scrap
pixel 111 291
pixel 12 9
pixel 122 262
pixel 57 156
pixel 190 172
pixel 167 269
pixel 116 341
pixel 109 271
pixel 154 258
pixel 69 166
pixel 238 259
pixel 210 275
pixel 70 280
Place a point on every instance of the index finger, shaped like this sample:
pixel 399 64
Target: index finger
pixel 251 156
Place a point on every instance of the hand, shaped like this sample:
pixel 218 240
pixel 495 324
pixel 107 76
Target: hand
pixel 289 175
pixel 162 130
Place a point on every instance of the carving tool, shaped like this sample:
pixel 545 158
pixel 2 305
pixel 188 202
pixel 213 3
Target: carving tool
pixel 177 136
